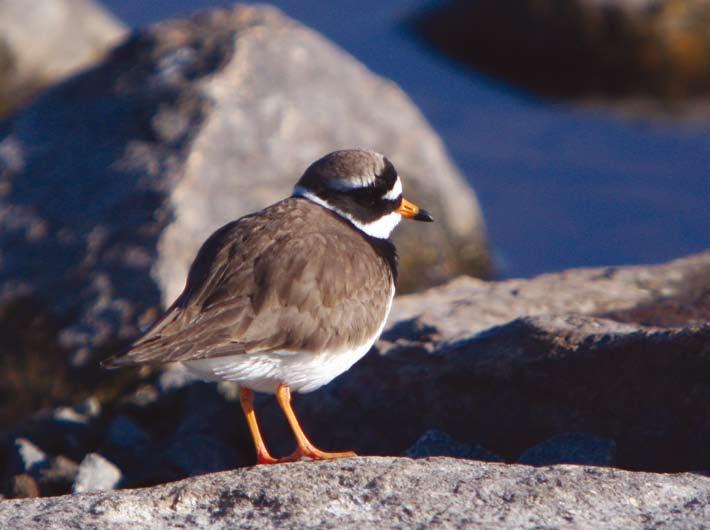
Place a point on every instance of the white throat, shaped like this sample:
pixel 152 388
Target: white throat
pixel 380 228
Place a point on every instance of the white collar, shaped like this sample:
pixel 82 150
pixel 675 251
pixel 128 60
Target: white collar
pixel 380 228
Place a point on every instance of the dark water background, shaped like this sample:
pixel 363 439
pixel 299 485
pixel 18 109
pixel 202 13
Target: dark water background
pixel 559 187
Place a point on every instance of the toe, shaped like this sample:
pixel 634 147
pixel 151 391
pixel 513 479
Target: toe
pixel 317 454
pixel 266 459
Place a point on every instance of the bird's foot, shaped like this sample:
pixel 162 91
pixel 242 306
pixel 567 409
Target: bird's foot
pixel 314 454
pixel 266 458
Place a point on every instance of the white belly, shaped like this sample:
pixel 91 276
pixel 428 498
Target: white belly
pixel 264 372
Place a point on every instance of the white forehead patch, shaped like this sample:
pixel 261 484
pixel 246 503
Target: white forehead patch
pixel 395 192
pixel 357 183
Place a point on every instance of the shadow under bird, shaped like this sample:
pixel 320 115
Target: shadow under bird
pixel 290 297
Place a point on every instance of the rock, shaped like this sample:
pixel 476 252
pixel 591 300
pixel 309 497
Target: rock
pixel 175 433
pixel 69 431
pixel 571 448
pixel 82 414
pixel 32 377
pixel 125 433
pixel 369 493
pixel 112 180
pixel 616 353
pixel 29 456
pixel 95 473
pixel 58 477
pixel 23 486
pixel 437 443
pixel 144 396
pixel 601 49
pixel 32 472
pixel 507 364
pixel 197 453
pixel 20 463
pixel 44 42
pixel 672 294
pixel 204 441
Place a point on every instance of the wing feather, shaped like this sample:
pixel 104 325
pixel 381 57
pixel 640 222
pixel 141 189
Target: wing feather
pixel 286 279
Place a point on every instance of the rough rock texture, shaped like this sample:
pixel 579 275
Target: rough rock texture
pixel 44 42
pixel 111 181
pixel 605 365
pixel 387 493
pixel 582 48
pixel 620 353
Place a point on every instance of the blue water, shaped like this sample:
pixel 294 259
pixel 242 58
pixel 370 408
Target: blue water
pixel 559 187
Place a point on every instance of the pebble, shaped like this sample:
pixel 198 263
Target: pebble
pixel 82 413
pixel 58 477
pixel 96 474
pixel 23 487
pixel 30 456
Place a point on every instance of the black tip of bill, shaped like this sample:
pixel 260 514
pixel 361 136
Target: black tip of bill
pixel 423 215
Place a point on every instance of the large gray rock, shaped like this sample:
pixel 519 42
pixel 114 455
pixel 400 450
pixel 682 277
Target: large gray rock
pixel 618 353
pixel 387 493
pixel 44 42
pixel 510 364
pixel 472 369
pixel 111 181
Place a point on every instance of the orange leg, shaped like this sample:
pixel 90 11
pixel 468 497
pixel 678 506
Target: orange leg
pixel 246 397
pixel 305 447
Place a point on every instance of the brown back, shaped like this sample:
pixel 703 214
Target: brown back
pixel 292 277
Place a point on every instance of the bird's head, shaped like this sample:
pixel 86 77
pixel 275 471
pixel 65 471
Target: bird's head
pixel 361 186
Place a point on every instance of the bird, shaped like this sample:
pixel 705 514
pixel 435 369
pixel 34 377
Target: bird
pixel 287 298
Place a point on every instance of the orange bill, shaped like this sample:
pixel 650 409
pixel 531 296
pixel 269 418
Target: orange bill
pixel 409 210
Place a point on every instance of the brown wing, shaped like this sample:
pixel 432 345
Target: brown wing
pixel 290 278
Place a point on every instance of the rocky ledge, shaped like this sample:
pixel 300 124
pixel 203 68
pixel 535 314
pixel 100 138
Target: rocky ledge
pixel 602 366
pixel 386 493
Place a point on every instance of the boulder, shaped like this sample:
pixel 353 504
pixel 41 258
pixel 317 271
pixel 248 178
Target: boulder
pixel 617 353
pixel 583 49
pixel 44 42
pixel 111 181
pixel 604 366
pixel 370 493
